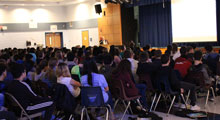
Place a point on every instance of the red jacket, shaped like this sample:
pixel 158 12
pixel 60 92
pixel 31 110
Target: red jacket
pixel 182 65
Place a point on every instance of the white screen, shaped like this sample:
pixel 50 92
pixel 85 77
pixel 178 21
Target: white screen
pixel 194 21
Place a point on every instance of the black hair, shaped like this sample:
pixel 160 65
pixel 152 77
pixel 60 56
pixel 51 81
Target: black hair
pixel 70 56
pixel 183 50
pixel 127 54
pixel 108 59
pixel 3 68
pixel 165 58
pixel 17 69
pixel 157 53
pixel 198 55
pixel 89 67
pixel 208 48
pixel 143 56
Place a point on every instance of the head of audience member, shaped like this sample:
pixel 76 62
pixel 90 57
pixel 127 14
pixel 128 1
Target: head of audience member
pixel 169 48
pixel 147 48
pixel 208 48
pixel 157 54
pixel 193 46
pixel 183 51
pixel 128 54
pixel 3 71
pixel 174 48
pixel 53 63
pixel 42 66
pixel 59 55
pixel 99 59
pixel 165 60
pixel 112 50
pixel 62 70
pixel 143 57
pixel 89 67
pixel 40 55
pixel 108 60
pixel 18 71
pixel 190 50
pixel 198 55
pixel 6 57
pixel 70 56
pixel 123 67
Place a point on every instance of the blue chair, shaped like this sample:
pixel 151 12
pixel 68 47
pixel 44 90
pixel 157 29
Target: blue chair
pixel 91 97
pixel 165 90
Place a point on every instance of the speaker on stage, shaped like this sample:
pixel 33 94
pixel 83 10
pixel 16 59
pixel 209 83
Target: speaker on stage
pixel 98 8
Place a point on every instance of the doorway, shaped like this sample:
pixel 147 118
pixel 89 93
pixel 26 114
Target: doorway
pixel 85 38
pixel 54 40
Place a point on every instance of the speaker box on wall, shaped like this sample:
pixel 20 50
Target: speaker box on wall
pixel 98 8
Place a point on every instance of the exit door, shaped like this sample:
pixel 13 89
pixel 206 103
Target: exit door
pixel 85 38
pixel 54 40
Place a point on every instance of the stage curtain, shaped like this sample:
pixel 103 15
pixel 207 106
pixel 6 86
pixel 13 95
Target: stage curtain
pixel 155 24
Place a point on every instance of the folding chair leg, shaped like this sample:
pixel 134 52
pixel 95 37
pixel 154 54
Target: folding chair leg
pixel 116 102
pixel 213 93
pixel 157 101
pixel 184 100
pixel 107 114
pixel 187 97
pixel 152 104
pixel 125 105
pixel 126 110
pixel 207 98
pixel 71 116
pixel 82 113
pixel 87 115
pixel 171 104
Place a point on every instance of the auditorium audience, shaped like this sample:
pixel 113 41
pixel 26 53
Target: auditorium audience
pixel 139 71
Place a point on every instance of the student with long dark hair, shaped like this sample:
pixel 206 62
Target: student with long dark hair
pixel 123 73
pixel 92 78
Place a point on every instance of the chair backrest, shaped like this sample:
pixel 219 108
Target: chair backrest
pixel 63 98
pixel 163 84
pixel 146 79
pixel 14 102
pixel 92 97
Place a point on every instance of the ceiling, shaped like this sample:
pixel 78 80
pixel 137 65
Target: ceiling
pixel 40 2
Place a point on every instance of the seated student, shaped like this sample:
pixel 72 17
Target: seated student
pixel 25 96
pixel 211 58
pixel 50 75
pixel 190 53
pixel 124 74
pixel 92 78
pixel 41 70
pixel 199 66
pixel 175 83
pixel 71 60
pixel 182 64
pixel 64 77
pixel 145 70
pixel 107 69
pixel 3 113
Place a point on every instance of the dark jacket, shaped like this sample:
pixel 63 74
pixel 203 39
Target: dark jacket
pixel 145 73
pixel 170 73
pixel 23 94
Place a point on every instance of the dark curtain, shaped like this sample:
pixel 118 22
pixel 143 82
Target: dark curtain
pixel 155 24
pixel 146 2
